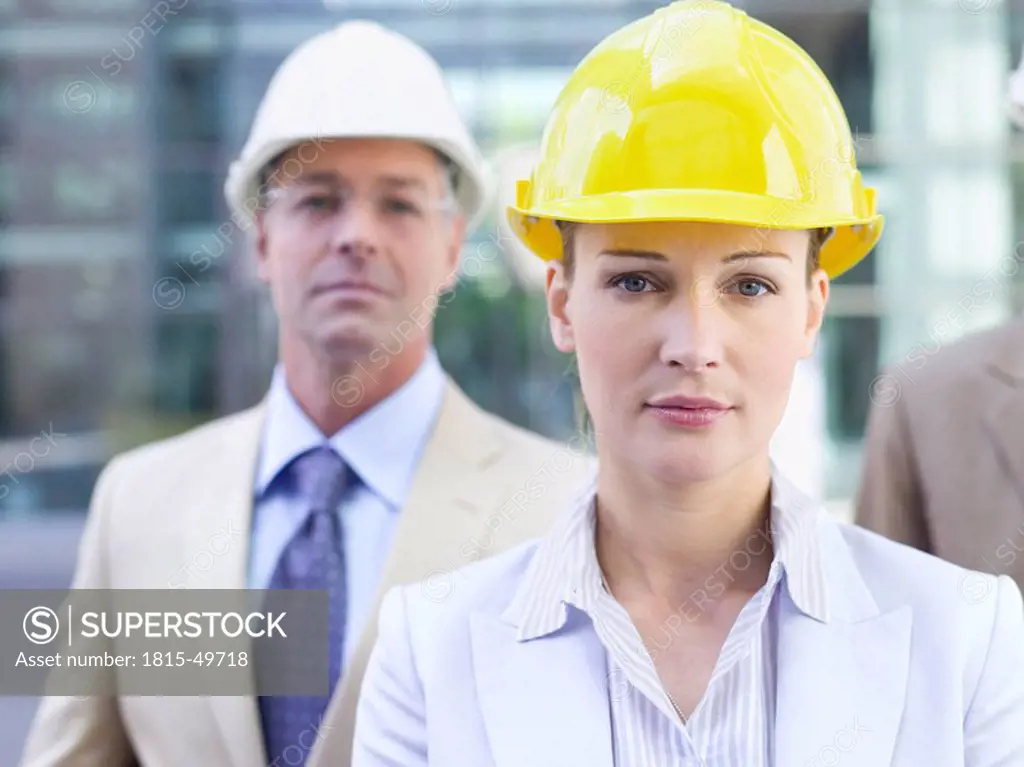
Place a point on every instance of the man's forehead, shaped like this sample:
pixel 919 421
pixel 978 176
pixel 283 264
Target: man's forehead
pixel 360 161
pixel 385 151
pixel 338 177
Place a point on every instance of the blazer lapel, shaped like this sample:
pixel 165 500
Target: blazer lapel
pixel 841 683
pixel 443 513
pixel 448 495
pixel 544 702
pixel 1004 414
pixel 218 518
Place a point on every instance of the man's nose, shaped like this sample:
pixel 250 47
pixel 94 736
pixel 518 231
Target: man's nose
pixel 693 333
pixel 354 231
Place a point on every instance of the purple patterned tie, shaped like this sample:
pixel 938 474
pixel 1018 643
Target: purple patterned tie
pixel 313 559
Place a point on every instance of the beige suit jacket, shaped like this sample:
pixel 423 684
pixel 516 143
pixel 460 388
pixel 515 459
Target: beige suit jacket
pixel 161 513
pixel 944 455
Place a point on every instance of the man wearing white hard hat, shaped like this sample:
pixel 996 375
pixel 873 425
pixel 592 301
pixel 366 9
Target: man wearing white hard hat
pixel 365 465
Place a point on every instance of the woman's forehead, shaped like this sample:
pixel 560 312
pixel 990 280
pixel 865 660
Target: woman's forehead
pixel 688 238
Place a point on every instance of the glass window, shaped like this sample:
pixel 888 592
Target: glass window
pixel 851 74
pixel 77 192
pixel 839 42
pixel 188 196
pixel 851 363
pixel 92 191
pixel 59 490
pixel 1017 255
pixel 87 101
pixel 968 212
pixel 8 181
pixel 93 7
pixel 966 82
pixel 516 102
pixel 199 253
pixel 186 363
pixel 7 93
pixel 190 107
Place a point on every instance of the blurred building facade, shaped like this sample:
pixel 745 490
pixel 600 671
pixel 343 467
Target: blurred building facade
pixel 128 310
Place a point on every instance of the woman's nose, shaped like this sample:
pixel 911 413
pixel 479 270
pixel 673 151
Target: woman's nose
pixel 692 333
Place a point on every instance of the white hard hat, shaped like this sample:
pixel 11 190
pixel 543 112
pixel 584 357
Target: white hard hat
pixel 359 80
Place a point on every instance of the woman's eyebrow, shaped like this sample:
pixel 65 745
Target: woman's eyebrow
pixel 653 255
pixel 744 255
pixel 630 253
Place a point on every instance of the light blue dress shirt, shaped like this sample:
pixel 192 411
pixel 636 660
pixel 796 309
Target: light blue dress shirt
pixel 383 447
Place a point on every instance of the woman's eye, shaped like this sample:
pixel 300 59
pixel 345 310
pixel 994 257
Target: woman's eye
pixel 752 288
pixel 632 283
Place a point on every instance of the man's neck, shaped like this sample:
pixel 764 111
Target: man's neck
pixel 333 393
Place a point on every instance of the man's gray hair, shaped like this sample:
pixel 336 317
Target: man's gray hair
pixel 450 176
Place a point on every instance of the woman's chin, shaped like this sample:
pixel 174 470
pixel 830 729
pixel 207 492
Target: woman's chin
pixel 686 468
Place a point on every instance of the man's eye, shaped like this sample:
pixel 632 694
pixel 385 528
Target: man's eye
pixel 403 207
pixel 319 202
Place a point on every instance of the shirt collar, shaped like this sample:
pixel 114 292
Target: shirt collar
pixel 565 571
pixel 383 446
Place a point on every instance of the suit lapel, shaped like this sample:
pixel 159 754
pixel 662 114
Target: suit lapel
pixel 450 485
pixel 841 683
pixel 544 702
pixel 442 514
pixel 1004 395
pixel 218 507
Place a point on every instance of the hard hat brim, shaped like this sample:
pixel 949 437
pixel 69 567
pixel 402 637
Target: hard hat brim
pixel 855 235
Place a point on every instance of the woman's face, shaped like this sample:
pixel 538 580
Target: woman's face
pixel 686 336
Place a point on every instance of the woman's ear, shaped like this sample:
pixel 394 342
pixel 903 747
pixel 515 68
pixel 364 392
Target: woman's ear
pixel 817 300
pixel 557 291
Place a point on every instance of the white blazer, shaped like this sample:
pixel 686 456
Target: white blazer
pixel 921 664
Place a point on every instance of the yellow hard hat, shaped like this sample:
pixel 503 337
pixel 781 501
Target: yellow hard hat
pixel 698 112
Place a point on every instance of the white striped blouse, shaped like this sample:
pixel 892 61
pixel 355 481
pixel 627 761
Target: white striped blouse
pixel 733 724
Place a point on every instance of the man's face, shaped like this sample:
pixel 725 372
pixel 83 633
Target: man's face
pixel 355 244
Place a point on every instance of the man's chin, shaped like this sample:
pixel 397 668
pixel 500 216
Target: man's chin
pixel 373 340
pixel 347 340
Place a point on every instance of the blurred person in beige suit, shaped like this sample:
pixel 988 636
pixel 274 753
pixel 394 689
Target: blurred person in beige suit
pixel 360 181
pixel 944 450
pixel 944 453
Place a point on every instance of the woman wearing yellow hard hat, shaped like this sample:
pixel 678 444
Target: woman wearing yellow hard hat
pixel 696 191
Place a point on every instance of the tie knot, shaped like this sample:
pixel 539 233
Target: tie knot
pixel 320 476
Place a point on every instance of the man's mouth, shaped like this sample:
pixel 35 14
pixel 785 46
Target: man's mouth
pixel 355 288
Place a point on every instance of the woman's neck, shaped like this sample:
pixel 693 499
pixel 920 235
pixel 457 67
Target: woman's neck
pixel 686 545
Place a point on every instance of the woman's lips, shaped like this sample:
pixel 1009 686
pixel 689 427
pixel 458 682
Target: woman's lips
pixel 689 412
